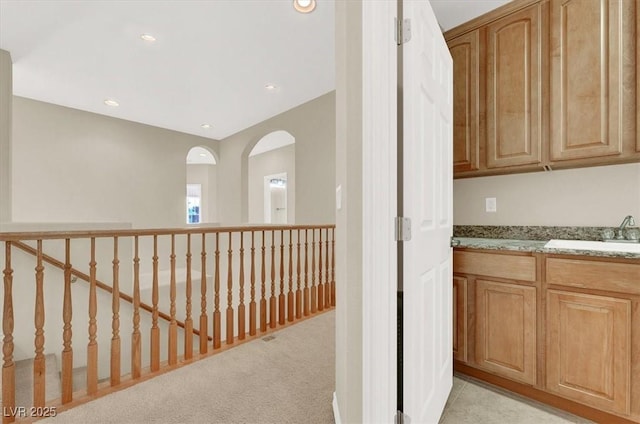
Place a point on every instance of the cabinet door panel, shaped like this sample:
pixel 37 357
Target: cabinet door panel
pixel 588 349
pixel 465 51
pixel 460 318
pixel 514 90
pixel 588 100
pixel 506 329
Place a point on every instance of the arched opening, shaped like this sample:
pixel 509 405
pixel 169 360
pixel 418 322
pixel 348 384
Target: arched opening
pixel 271 179
pixel 201 190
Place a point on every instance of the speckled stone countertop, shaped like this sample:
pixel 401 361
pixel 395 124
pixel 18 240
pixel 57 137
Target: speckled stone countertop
pixel 531 239
pixel 528 232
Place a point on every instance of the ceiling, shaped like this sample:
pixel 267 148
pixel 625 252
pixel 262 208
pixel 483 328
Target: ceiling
pixel 451 13
pixel 210 63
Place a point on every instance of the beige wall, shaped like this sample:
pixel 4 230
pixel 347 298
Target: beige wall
pixel 268 163
pixel 206 176
pixel 75 166
pixel 313 126
pixel 596 196
pixel 6 100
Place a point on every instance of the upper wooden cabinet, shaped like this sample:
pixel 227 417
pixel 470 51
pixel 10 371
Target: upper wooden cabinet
pixel 514 89
pixel 592 78
pixel 465 51
pixel 546 84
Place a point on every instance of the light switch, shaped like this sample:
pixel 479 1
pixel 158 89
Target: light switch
pixel 490 204
pixel 339 197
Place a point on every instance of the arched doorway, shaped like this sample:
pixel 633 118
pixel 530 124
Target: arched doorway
pixel 271 179
pixel 201 190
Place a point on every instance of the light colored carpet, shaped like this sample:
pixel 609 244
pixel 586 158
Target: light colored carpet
pixel 289 379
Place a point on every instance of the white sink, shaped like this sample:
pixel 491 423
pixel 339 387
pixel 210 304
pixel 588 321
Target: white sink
pixel 594 245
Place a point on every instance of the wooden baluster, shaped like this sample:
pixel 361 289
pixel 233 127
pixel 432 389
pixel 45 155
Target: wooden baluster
pixel 173 324
pixel 263 300
pixel 241 307
pixel 92 347
pixel 306 273
pixel 204 331
pixel 281 297
pixel 327 282
pixel 115 321
pixel 272 299
pixel 188 322
pixel 67 314
pixel 216 289
pixel 320 283
pixel 298 291
pixel 136 342
pixel 155 330
pixel 39 367
pixel 8 366
pixel 252 303
pixel 290 311
pixel 314 302
pixel 229 293
pixel 333 267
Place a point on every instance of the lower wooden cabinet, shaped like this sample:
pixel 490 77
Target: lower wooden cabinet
pixel 506 329
pixel 589 349
pixel 460 319
pixel 565 326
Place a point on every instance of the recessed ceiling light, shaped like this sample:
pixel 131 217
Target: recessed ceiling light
pixel 270 87
pixel 206 126
pixel 111 102
pixel 203 155
pixel 148 37
pixel 304 6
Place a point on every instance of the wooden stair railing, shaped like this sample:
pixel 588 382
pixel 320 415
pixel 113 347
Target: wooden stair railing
pixel 296 297
pixel 99 284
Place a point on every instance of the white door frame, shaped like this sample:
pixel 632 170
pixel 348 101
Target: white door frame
pixel 379 208
pixel 366 170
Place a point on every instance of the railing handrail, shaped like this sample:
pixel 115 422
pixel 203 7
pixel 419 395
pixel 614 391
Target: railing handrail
pixel 131 232
pixel 99 284
pixel 237 292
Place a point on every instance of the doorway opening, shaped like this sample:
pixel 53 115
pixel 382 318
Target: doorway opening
pixel 201 188
pixel 271 179
pixel 275 198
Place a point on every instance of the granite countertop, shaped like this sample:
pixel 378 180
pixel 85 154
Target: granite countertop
pixel 533 239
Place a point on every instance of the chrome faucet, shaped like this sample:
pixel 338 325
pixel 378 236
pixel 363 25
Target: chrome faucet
pixel 627 221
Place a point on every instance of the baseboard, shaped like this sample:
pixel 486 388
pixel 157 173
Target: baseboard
pixel 336 411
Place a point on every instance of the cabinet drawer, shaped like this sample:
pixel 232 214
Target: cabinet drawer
pixel 513 267
pixel 618 277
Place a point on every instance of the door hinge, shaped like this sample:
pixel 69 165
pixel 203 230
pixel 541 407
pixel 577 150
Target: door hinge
pixel 403 228
pixel 401 418
pixel 403 31
pixel 454 242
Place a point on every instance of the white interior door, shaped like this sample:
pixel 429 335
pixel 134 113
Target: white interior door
pixel 427 201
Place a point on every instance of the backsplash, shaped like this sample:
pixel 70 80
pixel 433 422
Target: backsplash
pixel 528 232
pixel 588 197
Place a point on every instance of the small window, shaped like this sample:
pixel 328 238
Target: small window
pixel 194 196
